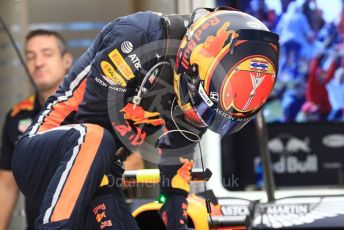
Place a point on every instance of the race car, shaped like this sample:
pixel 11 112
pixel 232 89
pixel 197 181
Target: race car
pixel 229 213
pixel 321 208
pixel 221 214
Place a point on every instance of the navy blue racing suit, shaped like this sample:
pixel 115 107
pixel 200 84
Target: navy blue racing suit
pixel 60 160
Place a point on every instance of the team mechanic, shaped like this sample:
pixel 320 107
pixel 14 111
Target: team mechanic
pixel 224 70
pixel 48 61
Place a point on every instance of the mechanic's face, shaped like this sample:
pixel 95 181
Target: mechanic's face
pixel 46 64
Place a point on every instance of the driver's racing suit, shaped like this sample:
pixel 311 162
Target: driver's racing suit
pixel 60 160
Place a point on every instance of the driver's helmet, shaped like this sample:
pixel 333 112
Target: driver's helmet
pixel 226 68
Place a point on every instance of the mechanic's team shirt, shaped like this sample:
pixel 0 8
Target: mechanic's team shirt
pixel 113 65
pixel 18 119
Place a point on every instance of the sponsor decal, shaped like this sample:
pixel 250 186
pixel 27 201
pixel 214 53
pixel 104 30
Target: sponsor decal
pixel 121 65
pixel 257 65
pixel 292 164
pixel 106 223
pixel 136 137
pixel 214 96
pixel 301 212
pixel 118 89
pixel 100 207
pixel 152 78
pixel 101 82
pixel 287 143
pixel 100 216
pixel 204 96
pixel 195 38
pixel 127 47
pixel 288 147
pixel 299 209
pixel 332 165
pixel 111 76
pixel 24 124
pixel 136 61
pixel 229 116
pixel 206 53
pixel 235 210
pixel 113 87
pixel 235 207
pixel 334 141
pixel 99 212
pixel 137 114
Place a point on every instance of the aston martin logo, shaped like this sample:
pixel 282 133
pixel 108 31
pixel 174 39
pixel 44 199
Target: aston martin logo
pixel 296 212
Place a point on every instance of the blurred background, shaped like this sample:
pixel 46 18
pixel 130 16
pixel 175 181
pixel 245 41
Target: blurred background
pixel 305 111
pixel 304 114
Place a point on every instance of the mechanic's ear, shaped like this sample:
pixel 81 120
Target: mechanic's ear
pixel 67 60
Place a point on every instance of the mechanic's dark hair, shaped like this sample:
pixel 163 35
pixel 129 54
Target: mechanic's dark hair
pixel 39 32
